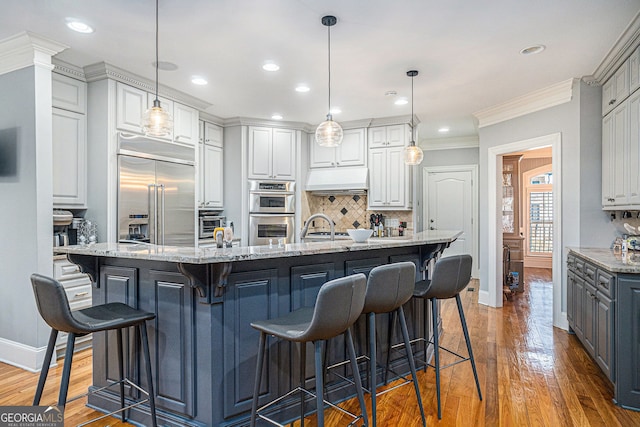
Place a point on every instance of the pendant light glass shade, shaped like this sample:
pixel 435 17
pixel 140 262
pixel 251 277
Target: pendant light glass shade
pixel 329 133
pixel 157 121
pixel 413 154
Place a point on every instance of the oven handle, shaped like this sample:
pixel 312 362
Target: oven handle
pixel 272 193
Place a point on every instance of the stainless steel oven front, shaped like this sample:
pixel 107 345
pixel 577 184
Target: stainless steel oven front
pixel 270 228
pixel 272 197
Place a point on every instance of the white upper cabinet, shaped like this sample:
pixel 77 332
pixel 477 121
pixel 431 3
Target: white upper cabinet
pixel 387 136
pixel 351 152
pixel 211 166
pixel 69 141
pixel 131 104
pixel 68 94
pixel 616 89
pixel 634 71
pixel 212 134
pixel 272 153
pixel 185 124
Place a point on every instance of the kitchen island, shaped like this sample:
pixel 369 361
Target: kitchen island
pixel 203 349
pixel 603 310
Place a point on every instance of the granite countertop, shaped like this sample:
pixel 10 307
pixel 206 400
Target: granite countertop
pixel 612 261
pixel 192 255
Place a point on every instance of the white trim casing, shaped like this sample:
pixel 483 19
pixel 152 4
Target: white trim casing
pixel 26 49
pixel 22 356
pixel 494 280
pixel 541 99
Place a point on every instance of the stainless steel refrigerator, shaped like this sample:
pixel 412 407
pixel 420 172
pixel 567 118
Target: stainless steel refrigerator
pixel 156 195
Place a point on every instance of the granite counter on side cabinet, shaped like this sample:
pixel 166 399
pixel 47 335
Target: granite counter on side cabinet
pixel 203 347
pixel 603 309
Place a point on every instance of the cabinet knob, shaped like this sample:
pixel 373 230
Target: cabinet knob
pixel 613 101
pixel 332 163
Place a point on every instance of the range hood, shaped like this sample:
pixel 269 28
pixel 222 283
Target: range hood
pixel 338 181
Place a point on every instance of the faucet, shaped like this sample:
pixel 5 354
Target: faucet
pixel 303 233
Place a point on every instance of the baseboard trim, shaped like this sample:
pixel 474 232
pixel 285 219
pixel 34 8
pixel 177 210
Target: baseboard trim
pixel 483 297
pixel 22 356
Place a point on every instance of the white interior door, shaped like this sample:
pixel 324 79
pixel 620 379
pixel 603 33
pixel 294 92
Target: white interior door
pixel 451 205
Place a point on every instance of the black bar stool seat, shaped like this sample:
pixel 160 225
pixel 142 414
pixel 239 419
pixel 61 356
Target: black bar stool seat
pixel 53 306
pixel 338 306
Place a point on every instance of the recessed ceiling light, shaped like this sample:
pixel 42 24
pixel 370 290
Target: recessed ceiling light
pixel 302 88
pixel 533 49
pixel 443 129
pixel 200 81
pixel 79 26
pixel 277 116
pixel 335 110
pixel 271 66
pixel 401 101
pixel 165 65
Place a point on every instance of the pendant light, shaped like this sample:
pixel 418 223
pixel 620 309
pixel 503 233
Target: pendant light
pixel 156 120
pixel 412 154
pixel 329 133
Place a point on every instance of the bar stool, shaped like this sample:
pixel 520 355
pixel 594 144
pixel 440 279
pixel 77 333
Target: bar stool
pixel 388 288
pixel 450 276
pixel 338 306
pixel 53 306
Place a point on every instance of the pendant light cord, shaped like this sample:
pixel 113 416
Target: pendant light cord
pixel 157 64
pixel 413 139
pixel 329 62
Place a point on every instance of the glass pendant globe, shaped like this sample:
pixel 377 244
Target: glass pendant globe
pixel 329 133
pixel 413 155
pixel 157 121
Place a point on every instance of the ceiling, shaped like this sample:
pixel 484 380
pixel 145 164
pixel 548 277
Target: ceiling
pixel 466 52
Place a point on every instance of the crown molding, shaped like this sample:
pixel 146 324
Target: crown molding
pixel 395 120
pixel 452 143
pixel 207 117
pixel 103 70
pixel 250 121
pixel 67 69
pixel 26 49
pixel 541 99
pixel 621 50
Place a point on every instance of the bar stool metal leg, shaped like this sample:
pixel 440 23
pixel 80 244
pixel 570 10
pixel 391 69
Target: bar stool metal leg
pixel 468 341
pixel 436 350
pixel 303 377
pixel 412 365
pixel 121 372
pixel 319 386
pixel 145 349
pixel 356 376
pixel 45 366
pixel 66 370
pixel 371 323
pixel 256 383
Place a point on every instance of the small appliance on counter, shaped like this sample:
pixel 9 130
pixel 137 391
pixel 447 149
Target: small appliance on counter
pixel 61 222
pixel 208 222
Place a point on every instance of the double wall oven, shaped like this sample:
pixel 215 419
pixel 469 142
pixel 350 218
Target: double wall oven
pixel 271 212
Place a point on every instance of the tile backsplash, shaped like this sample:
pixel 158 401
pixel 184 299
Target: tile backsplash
pixel 347 211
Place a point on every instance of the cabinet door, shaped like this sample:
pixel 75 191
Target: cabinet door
pixel 590 318
pixel 69 158
pixel 260 152
pixel 321 157
pixel 249 297
pixel 212 134
pixel 604 333
pixel 608 169
pixel 378 137
pixel 396 172
pixel 620 146
pixel 68 94
pixel 131 105
pixel 284 154
pixel 377 177
pixel 185 122
pixel 213 176
pixel 352 150
pixel 616 89
pixel 579 299
pixel 396 136
pixel 571 287
pixel 201 174
pixel 634 71
pixel 633 154
pixel 168 106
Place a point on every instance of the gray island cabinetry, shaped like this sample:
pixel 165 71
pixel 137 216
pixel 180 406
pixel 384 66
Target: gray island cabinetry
pixel 203 348
pixel 603 309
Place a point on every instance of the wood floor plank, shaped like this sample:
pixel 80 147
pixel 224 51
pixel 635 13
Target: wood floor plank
pixel 530 373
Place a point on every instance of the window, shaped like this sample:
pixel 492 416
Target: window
pixel 540 221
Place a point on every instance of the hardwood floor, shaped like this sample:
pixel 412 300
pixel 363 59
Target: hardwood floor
pixel 531 374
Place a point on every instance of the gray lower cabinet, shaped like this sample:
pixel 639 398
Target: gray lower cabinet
pixel 603 309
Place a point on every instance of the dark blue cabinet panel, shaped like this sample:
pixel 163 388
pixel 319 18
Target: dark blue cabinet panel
pixel 248 297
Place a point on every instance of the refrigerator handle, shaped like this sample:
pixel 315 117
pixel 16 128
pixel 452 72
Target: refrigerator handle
pixel 162 210
pixel 153 214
